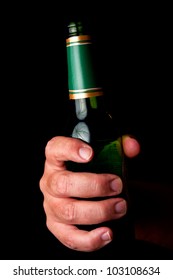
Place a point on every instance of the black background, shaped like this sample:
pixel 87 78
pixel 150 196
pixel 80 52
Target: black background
pixel 133 52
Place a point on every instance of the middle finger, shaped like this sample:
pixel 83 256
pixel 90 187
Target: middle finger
pixel 84 185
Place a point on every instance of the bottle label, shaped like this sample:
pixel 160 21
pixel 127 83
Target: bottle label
pixel 82 80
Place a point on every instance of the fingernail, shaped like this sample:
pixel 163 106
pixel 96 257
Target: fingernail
pixel 120 207
pixel 85 152
pixel 116 185
pixel 106 236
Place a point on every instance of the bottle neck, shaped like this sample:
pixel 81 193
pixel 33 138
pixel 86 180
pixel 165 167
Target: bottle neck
pixel 82 73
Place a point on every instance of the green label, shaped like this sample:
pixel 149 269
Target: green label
pixel 82 80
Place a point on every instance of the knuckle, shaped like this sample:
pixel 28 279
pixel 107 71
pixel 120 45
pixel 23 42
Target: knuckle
pixel 49 145
pixel 100 184
pixel 61 184
pixel 103 216
pixel 104 211
pixel 42 184
pixel 68 212
pixel 48 224
pixel 45 206
pixel 95 184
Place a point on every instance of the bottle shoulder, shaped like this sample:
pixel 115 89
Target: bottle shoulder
pixel 99 124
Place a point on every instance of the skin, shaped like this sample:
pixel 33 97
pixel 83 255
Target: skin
pixel 59 187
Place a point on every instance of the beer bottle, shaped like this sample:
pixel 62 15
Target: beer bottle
pixel 90 121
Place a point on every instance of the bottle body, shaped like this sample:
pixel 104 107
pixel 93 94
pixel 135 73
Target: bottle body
pixel 90 122
pixel 97 128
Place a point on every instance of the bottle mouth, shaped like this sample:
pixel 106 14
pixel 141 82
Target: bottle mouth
pixel 72 29
pixel 77 27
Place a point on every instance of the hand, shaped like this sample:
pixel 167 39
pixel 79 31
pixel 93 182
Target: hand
pixel 59 187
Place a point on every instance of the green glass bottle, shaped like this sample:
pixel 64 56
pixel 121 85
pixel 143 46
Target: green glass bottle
pixel 90 121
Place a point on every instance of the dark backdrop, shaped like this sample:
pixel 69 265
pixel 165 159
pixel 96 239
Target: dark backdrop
pixel 133 52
